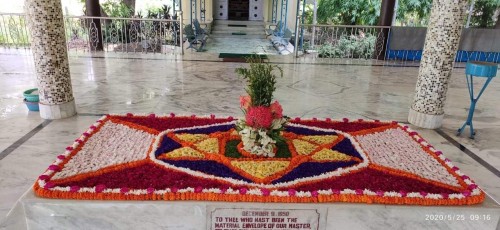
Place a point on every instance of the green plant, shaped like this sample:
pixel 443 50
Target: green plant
pixel 483 14
pixel 261 80
pixel 117 8
pixel 349 46
pixel 353 12
pixel 3 39
pixel 15 31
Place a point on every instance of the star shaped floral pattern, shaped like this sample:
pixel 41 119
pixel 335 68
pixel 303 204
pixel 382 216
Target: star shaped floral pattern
pixel 201 158
pixel 215 149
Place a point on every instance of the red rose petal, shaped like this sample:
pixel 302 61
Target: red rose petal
pixel 100 188
pixel 74 188
pixel 54 167
pixel 49 185
pixel 43 177
pixel 472 187
pixel 314 193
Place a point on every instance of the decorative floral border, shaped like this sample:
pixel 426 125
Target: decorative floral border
pixel 471 193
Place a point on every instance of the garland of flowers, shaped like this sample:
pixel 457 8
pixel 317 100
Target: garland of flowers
pixel 261 128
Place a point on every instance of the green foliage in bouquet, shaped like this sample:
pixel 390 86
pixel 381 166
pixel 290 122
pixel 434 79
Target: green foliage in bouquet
pixel 261 80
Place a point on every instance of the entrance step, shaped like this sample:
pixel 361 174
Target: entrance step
pixel 237 29
pixel 229 35
pixel 233 22
pixel 233 32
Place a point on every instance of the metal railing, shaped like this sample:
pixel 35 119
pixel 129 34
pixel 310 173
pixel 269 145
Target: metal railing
pixel 14 32
pixel 345 41
pixel 109 34
pixel 122 34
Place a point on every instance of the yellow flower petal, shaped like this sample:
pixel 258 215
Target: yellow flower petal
pixel 184 152
pixel 210 145
pixel 261 169
pixel 320 139
pixel 330 155
pixel 303 147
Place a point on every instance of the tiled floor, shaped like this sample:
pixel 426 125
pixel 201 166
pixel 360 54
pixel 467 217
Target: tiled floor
pixel 204 85
pixel 238 45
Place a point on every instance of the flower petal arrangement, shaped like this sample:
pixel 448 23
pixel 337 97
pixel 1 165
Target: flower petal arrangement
pixel 149 157
pixel 262 126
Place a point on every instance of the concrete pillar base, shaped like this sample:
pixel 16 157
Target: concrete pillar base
pixel 427 121
pixel 60 111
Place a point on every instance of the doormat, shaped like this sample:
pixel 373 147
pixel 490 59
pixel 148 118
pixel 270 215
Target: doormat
pixel 238 33
pixel 149 157
pixel 233 25
pixel 235 55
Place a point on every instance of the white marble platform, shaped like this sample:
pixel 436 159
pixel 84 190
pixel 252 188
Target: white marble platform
pixel 35 213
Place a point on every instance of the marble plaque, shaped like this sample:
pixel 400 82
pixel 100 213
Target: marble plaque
pixel 257 219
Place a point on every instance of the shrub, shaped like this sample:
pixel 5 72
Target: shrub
pixel 349 46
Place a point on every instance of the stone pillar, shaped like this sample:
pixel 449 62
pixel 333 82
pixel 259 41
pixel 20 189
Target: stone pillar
pixel 385 19
pixel 48 44
pixel 94 10
pixel 441 44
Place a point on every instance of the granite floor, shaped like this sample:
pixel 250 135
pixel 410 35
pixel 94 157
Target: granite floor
pixel 202 84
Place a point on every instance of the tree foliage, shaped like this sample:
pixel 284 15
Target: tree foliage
pixel 483 15
pixel 352 12
pixel 414 12
pixel 409 12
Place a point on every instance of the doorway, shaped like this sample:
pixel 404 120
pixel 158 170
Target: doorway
pixel 238 10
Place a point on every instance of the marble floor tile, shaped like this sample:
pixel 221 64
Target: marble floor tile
pixel 238 45
pixel 200 83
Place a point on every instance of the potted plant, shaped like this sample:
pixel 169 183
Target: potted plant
pixel 261 127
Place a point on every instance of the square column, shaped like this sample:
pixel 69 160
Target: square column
pixel 441 44
pixel 48 44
